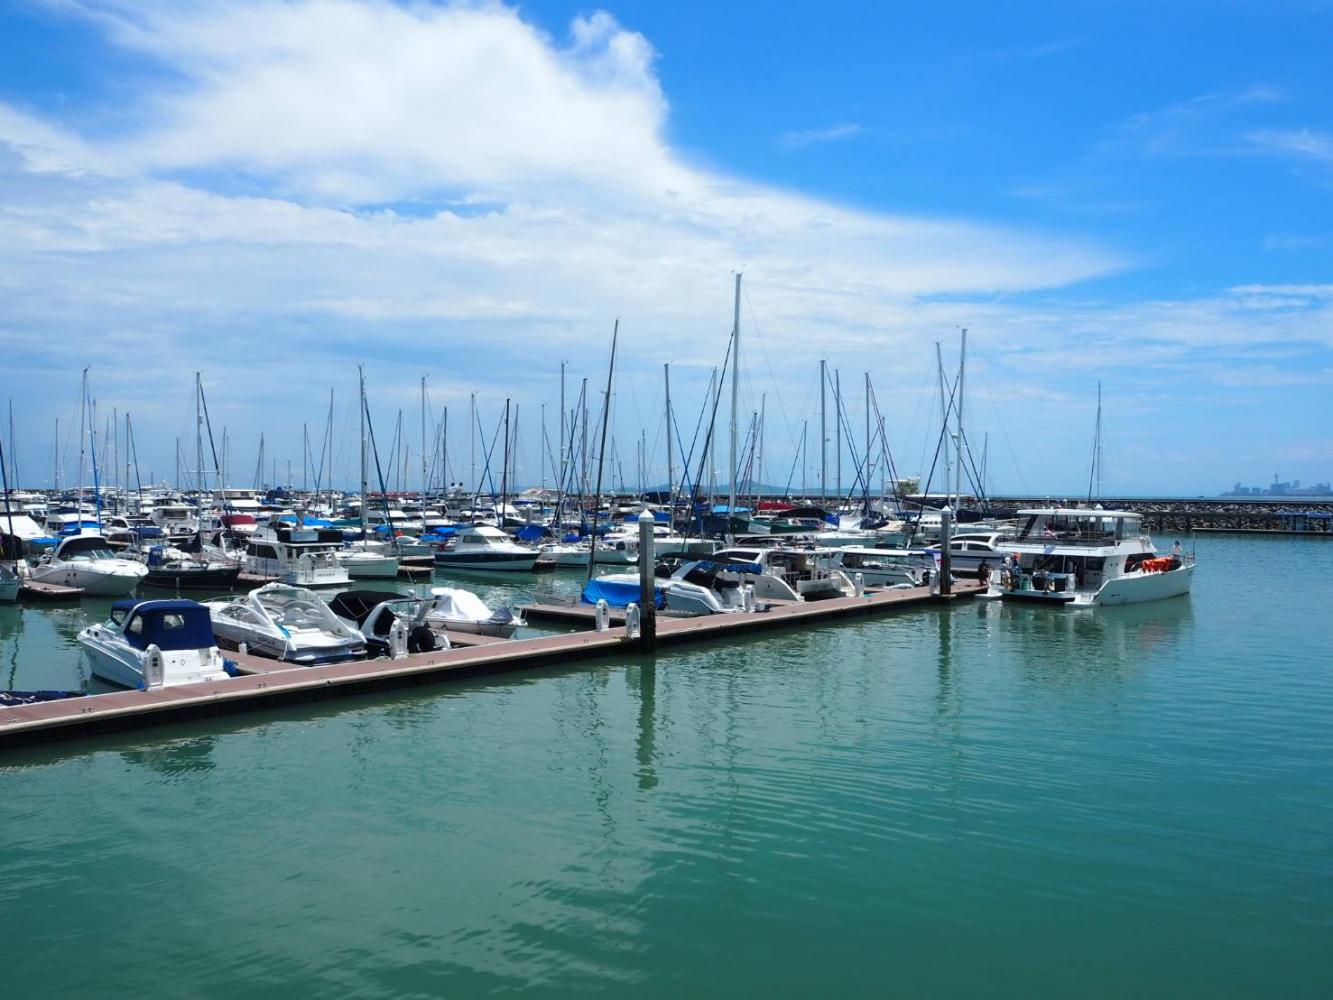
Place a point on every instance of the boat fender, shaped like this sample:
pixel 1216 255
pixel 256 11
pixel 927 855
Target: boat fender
pixel 231 668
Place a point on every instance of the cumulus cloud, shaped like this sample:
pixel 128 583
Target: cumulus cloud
pixel 317 182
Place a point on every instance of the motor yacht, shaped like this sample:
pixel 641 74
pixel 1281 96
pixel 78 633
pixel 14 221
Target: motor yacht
pixel 481 547
pixel 302 557
pixel 87 562
pixel 1089 557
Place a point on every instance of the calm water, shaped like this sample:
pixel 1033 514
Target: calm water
pixel 992 801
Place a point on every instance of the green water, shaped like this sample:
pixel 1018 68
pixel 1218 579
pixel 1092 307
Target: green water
pixel 987 801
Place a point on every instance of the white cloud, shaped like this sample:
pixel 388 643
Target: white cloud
pixel 448 188
pixel 794 140
pixel 1302 142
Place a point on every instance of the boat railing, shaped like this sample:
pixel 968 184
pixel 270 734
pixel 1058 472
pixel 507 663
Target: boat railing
pixel 1094 539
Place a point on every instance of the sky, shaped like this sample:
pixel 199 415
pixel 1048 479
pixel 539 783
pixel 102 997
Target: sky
pixel 273 193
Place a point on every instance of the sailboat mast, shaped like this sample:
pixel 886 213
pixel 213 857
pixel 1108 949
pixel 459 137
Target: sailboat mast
pixel 837 433
pixel 560 475
pixel 83 416
pixel 361 379
pixel 944 419
pixel 735 389
pixel 472 446
pixel 958 412
pixel 823 432
pixel 425 486
pixel 671 461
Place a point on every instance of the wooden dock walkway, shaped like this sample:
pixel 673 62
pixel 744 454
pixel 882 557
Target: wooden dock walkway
pixel 273 683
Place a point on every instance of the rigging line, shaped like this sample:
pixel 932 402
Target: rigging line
pixel 1018 469
pixel 759 337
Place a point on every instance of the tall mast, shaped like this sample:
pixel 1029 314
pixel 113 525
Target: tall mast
pixel 671 461
pixel 823 433
pixel 584 455
pixel 763 417
pixel 541 456
pixel 83 416
pixel 472 446
pixel 425 486
pixel 958 411
pixel 444 449
pixel 198 440
pixel 361 379
pixel 601 451
pixel 866 478
pixel 735 389
pixel 504 474
pixel 837 431
pixel 944 416
pixel 560 475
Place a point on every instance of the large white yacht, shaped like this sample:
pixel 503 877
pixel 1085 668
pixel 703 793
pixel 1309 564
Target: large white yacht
pixel 1087 557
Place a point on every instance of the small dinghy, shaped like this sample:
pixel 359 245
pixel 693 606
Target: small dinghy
pixel 154 644
pixel 456 610
pixel 288 623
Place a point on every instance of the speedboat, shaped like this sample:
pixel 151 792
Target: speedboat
pixel 86 562
pixel 374 612
pixel 152 643
pixel 455 610
pixel 1089 557
pixel 481 547
pixel 785 574
pixel 286 623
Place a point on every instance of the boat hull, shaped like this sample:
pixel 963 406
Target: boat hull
pixel 193 579
pixel 95 581
pixel 499 562
pixel 1144 587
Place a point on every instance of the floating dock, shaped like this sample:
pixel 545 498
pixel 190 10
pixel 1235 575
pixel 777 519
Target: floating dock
pixel 266 684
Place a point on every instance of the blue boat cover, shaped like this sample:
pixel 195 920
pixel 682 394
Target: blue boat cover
pixel 617 595
pixel 531 532
pixel 170 624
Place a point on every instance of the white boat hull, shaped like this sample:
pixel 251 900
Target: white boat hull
pixel 115 578
pixel 1140 588
pixel 370 566
pixel 487 562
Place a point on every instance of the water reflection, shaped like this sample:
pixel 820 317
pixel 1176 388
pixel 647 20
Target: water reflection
pixel 175 757
pixel 642 680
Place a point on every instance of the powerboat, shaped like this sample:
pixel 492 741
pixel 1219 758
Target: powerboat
pixel 785 574
pixel 481 547
pixel 87 562
pixel 374 612
pixel 1089 557
pixel 151 643
pixel 299 556
pixel 366 559
pixel 180 570
pixel 882 567
pixel 455 610
pixel 968 550
pixel 284 622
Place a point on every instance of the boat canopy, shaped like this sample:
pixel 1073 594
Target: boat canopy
pixel 171 625
pixel 358 604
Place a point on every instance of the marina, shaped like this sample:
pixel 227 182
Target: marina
pixel 665 501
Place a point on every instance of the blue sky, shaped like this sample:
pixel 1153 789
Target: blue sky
pixel 273 193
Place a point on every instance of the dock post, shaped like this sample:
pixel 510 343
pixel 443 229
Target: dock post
pixel 647 595
pixel 946 546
